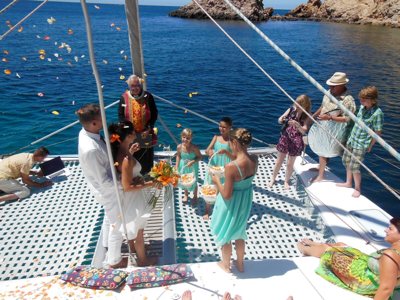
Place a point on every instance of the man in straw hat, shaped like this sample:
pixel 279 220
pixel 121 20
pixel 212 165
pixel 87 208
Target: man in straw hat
pixel 333 120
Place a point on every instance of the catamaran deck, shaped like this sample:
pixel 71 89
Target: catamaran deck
pixel 38 239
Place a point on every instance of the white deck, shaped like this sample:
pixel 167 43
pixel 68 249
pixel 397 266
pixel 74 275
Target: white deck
pixel 266 279
pixel 263 279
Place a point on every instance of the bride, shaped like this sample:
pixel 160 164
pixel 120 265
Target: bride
pixel 136 210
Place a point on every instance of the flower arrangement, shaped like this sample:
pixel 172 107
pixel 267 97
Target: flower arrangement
pixel 164 176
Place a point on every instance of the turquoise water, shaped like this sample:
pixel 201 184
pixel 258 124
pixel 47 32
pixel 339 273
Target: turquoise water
pixel 182 56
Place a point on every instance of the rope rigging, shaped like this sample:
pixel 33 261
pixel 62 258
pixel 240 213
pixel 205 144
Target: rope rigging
pixel 381 141
pixel 388 187
pixel 22 20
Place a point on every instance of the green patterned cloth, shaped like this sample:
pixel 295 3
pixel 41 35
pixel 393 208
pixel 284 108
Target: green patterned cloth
pixel 351 269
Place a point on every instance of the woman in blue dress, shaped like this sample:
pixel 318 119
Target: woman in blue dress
pixel 234 201
pixel 188 156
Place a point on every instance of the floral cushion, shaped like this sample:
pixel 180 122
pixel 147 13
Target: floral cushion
pixel 94 278
pixel 159 276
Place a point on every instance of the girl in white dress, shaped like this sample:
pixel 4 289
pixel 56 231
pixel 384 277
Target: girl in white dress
pixel 135 207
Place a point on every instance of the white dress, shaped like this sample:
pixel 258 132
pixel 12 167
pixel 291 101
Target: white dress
pixel 135 208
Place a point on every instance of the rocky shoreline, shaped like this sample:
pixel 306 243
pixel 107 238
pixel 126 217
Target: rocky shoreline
pixel 375 12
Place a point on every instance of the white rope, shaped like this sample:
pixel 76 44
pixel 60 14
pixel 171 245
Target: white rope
pixel 375 136
pixel 167 130
pixel 201 116
pixel 22 20
pixel 389 188
pixel 104 119
pixel 8 6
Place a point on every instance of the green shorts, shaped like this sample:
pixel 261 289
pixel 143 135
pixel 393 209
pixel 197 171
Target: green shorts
pixel 349 162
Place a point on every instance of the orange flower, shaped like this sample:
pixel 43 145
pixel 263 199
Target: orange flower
pixel 115 137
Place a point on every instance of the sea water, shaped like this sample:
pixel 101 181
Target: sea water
pixel 51 76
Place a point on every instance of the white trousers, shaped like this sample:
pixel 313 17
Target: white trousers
pixel 13 186
pixel 112 237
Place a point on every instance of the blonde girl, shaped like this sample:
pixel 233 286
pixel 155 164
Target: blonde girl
pixel 187 161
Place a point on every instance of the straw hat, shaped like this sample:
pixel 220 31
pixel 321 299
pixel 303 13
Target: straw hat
pixel 338 78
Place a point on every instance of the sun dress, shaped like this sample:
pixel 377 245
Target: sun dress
pixel 352 269
pixel 135 207
pixel 321 143
pixel 183 169
pixel 219 159
pixel 229 218
pixel 291 140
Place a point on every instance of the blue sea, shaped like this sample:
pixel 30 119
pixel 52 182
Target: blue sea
pixel 184 56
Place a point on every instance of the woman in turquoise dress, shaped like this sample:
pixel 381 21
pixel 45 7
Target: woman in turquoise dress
pixel 219 153
pixel 187 162
pixel 234 201
pixel 375 275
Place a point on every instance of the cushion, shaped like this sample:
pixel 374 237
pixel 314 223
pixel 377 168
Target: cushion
pixel 94 278
pixel 159 276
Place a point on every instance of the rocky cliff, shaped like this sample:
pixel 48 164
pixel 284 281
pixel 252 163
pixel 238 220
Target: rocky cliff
pixel 380 12
pixel 252 9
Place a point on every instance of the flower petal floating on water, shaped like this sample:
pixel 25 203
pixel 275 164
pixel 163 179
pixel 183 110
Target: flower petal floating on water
pixel 40 94
pixel 122 77
pixel 51 20
pixel 24 58
pixel 70 31
pixel 97 7
pixel 178 125
pixel 76 58
pixel 48 59
pixel 41 57
pixel 7 71
pixel 118 28
pixel 4 59
pixel 120 69
pixel 105 62
pixel 112 25
pixel 20 29
pixel 56 54
pixel 5 52
pixel 42 51
pixel 16 74
pixel 121 52
pixel 46 38
pixel 54 112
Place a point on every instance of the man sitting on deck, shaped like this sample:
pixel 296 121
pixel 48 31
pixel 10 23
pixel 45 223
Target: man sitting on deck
pixel 19 166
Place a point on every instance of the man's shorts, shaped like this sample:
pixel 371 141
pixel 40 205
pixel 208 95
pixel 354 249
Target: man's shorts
pixel 349 162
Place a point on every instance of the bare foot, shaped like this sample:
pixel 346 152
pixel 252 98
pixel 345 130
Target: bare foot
pixel 185 199
pixel 286 185
pixel 206 217
pixel 316 179
pixel 122 264
pixel 303 248
pixel 226 296
pixel 356 194
pixel 344 184
pixel 307 242
pixel 187 295
pixel 271 183
pixel 239 266
pixel 223 267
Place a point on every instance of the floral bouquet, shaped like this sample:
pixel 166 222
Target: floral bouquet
pixel 164 176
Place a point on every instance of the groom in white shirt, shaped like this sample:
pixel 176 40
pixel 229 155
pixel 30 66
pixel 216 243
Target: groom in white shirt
pixel 96 167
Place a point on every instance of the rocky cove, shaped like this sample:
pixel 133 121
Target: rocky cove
pixel 375 12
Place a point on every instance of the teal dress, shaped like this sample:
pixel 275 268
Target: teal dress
pixel 219 159
pixel 185 158
pixel 229 219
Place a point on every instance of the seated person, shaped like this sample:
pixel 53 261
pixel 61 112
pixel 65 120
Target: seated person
pixel 19 166
pixel 375 275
